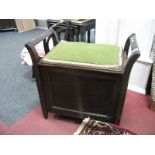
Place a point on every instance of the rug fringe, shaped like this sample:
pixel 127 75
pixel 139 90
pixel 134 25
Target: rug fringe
pixel 83 124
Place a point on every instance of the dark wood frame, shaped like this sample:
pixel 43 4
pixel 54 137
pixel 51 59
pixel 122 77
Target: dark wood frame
pixel 54 33
pixel 78 29
pixel 80 91
pixel 7 25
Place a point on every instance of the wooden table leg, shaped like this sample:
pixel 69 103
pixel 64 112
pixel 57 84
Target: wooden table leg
pixel 82 32
pixel 88 36
pixel 152 107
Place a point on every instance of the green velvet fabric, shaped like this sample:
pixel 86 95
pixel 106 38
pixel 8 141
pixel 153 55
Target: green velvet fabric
pixel 100 54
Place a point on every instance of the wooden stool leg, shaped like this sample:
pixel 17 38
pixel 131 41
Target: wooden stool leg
pixel 83 36
pixel 76 35
pixel 33 72
pixel 88 36
pixel 152 107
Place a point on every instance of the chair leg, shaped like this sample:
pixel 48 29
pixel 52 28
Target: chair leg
pixel 45 114
pixel 88 36
pixel 33 72
pixel 152 107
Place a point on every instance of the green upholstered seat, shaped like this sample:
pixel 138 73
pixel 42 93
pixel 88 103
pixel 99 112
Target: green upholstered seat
pixel 85 53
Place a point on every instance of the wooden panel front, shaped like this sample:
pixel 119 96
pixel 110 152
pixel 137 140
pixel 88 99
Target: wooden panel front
pixel 81 90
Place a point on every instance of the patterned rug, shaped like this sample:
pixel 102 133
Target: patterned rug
pixel 94 127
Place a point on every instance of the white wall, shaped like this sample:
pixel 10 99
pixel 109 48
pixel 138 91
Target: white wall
pixel 117 31
pixel 139 76
pixel 144 30
pixel 107 31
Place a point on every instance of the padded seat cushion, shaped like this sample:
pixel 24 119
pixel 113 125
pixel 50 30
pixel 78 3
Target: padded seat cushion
pixel 85 53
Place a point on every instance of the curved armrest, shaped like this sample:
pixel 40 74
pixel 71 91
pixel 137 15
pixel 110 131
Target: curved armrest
pixel 130 60
pixel 45 37
pixel 135 52
pixel 51 33
pixel 32 49
pixel 131 42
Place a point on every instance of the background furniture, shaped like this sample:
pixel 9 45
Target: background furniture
pixel 21 25
pixel 80 28
pixel 82 91
pixel 25 24
pixel 7 24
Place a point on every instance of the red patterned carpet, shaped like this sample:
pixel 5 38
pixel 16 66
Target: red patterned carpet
pixel 136 117
pixel 94 127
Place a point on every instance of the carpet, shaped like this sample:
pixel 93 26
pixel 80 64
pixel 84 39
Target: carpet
pixel 18 95
pixel 94 127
